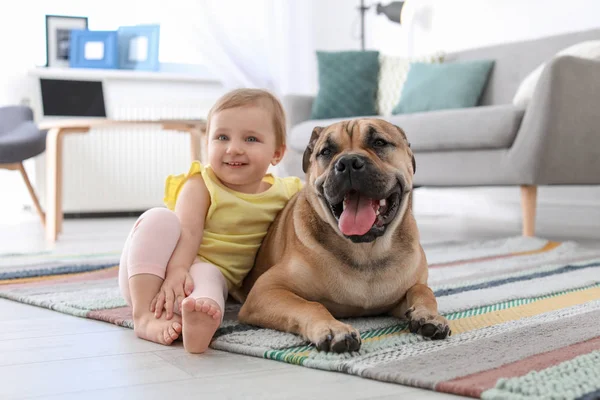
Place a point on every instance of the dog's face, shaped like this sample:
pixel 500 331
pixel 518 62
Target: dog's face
pixel 361 172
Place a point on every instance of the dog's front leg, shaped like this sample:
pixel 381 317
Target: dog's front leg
pixel 279 308
pixel 420 308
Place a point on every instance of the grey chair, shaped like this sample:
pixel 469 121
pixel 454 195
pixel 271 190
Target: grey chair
pixel 20 139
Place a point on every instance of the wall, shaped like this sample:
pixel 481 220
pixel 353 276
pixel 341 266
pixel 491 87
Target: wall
pixel 462 24
pixel 449 25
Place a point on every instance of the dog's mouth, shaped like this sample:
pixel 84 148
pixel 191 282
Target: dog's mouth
pixel 358 214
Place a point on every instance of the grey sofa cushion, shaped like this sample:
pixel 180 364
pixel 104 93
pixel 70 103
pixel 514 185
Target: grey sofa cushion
pixel 476 128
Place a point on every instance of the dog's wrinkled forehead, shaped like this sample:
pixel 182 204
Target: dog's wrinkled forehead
pixel 379 140
pixel 359 133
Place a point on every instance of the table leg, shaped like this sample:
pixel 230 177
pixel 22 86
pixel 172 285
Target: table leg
pixel 195 144
pixel 198 144
pixel 54 179
pixel 203 145
pixel 53 183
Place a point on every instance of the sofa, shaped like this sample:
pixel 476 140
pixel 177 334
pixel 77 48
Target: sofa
pixel 553 140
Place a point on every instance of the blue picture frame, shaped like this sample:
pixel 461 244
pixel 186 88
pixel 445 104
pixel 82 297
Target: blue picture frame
pixel 94 49
pixel 138 47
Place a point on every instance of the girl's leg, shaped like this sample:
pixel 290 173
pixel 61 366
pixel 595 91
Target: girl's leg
pixel 142 271
pixel 202 310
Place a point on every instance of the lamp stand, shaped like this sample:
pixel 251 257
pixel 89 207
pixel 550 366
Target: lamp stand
pixel 362 9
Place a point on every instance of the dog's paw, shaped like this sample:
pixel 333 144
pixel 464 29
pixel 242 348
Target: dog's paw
pixel 432 326
pixel 334 336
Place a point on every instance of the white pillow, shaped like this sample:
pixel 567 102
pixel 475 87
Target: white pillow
pixel 392 75
pixel 589 49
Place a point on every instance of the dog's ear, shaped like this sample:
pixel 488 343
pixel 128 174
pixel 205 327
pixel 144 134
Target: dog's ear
pixel 412 155
pixel 311 146
pixel 402 133
pixel 414 164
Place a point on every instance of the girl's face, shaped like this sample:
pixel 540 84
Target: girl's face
pixel 241 145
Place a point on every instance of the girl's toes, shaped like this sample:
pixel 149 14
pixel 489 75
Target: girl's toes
pixel 172 333
pixel 188 304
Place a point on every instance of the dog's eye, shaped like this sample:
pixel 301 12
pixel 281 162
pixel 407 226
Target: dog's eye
pixel 379 143
pixel 325 152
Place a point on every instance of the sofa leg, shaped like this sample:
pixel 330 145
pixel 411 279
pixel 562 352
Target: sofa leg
pixel 528 207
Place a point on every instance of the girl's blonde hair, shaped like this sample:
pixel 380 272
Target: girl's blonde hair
pixel 257 97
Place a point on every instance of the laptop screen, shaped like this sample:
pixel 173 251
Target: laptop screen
pixel 71 98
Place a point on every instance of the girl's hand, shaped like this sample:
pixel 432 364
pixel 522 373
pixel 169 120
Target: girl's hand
pixel 177 285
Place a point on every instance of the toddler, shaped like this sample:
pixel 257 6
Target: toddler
pixel 179 262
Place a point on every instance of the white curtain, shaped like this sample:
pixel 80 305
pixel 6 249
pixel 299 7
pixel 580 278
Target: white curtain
pixel 260 43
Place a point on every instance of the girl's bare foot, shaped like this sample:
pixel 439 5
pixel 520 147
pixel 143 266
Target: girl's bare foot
pixel 201 318
pixel 159 330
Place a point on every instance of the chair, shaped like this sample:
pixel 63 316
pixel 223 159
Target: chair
pixel 20 139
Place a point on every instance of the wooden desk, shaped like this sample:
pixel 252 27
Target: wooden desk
pixel 54 174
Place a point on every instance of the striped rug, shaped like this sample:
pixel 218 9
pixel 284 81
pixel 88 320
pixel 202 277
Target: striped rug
pixel 524 312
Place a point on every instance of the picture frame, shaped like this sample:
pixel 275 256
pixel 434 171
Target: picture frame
pixel 138 47
pixel 58 33
pixel 94 49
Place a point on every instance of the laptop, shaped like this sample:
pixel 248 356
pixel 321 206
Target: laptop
pixel 72 99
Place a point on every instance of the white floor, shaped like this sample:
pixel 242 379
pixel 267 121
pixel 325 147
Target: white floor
pixel 45 354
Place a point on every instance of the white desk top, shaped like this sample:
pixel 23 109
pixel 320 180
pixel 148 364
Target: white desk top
pixel 122 74
pixel 99 122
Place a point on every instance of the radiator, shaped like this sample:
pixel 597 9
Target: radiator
pixel 122 169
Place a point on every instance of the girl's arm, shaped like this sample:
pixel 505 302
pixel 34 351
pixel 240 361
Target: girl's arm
pixel 191 208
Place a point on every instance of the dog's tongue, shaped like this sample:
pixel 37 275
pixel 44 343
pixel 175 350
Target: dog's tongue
pixel 358 216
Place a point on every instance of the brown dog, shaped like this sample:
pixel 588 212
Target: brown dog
pixel 347 245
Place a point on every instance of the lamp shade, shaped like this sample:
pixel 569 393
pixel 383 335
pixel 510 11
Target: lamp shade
pixel 392 11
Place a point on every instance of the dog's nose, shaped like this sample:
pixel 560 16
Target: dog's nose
pixel 350 163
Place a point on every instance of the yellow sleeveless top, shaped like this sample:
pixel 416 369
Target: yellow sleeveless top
pixel 236 222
